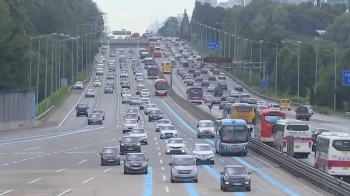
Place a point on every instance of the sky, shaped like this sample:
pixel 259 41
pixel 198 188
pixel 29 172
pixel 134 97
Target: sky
pixel 138 15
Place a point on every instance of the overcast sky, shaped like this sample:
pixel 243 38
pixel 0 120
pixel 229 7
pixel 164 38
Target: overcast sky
pixel 137 15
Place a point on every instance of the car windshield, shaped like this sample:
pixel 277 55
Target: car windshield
pixel 134 99
pixel 135 157
pixel 110 151
pixel 206 124
pixel 175 141
pixel 235 171
pixel 82 106
pixel 138 131
pixel 184 161
pixel 95 115
pixel 89 90
pixel 130 139
pixel 163 122
pixel 98 111
pixel 202 148
pixel 168 128
pixel 152 106
pixel 132 111
pixel 156 112
pixel 131 116
pixel 130 122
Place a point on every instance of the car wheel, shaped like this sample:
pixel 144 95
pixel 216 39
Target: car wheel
pixel 89 123
pixel 123 131
pixel 149 120
pixel 125 172
pixel 198 136
pixel 102 164
pixel 248 189
pixel 146 171
pixel 172 181
pixel 77 115
pixel 195 180
pixel 212 162
pixel 103 118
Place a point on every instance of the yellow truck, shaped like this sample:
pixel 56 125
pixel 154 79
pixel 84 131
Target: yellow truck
pixel 285 104
pixel 245 112
pixel 166 67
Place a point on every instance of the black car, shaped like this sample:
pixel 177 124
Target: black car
pixel 191 70
pixel 235 177
pixel 110 155
pixel 302 113
pixel 135 163
pixel 204 71
pixel 223 86
pixel 216 72
pixel 239 88
pixel 111 84
pixel 155 115
pixel 224 98
pixel 189 83
pixel 199 79
pixel 205 83
pixel 126 84
pixel 211 78
pixel 82 109
pixel 129 144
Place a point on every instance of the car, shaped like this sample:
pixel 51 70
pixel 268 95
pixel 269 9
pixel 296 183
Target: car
pixel 143 104
pixel 216 71
pixel 134 101
pixel 211 78
pixel 162 122
pixel 98 111
pixel 204 71
pixel 244 97
pixel 108 89
pixel 131 116
pixel 199 79
pixel 203 153
pixel 259 102
pixel 129 124
pixel 89 93
pixel 274 106
pixel 234 94
pixel 216 100
pixel 155 114
pixel 123 80
pixel 222 104
pixel 235 177
pixel 135 163
pixel 139 88
pixel 223 85
pixel 110 84
pixel 126 99
pixel 206 128
pixel 134 111
pixel 150 107
pixel 222 76
pixel 231 99
pixel 183 168
pixel 261 107
pixel 110 155
pixel 82 109
pixel 126 84
pixel 175 146
pixel 252 101
pixel 302 113
pixel 211 88
pixel 145 94
pixel 205 83
pixel 110 77
pixel 129 144
pixel 123 75
pixel 190 83
pixel 95 118
pixel 99 71
pixel 78 85
pixel 239 88
pixel 97 83
pixel 167 132
pixel 141 134
pixel 315 133
pixel 208 99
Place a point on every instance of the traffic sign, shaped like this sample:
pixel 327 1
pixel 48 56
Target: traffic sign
pixel 210 106
pixel 346 77
pixel 265 85
pixel 217 60
pixel 213 44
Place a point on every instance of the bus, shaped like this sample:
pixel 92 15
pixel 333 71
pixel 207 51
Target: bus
pixel 166 67
pixel 195 94
pixel 232 137
pixel 152 72
pixel 263 124
pixel 148 61
pixel 157 52
pixel 243 111
pixel 161 87
pixel 302 136
pixel 285 104
pixel 332 154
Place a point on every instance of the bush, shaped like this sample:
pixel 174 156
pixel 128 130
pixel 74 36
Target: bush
pixel 83 75
pixel 55 99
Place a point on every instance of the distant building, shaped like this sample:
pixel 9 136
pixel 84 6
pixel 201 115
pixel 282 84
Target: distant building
pixel 315 2
pixel 213 3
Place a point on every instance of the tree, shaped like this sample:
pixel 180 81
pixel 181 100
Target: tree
pixel 170 28
pixel 185 27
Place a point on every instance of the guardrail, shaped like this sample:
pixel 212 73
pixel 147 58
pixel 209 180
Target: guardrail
pixel 246 87
pixel 318 178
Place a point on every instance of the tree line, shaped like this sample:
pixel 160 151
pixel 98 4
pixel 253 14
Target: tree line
pixel 313 39
pixel 38 43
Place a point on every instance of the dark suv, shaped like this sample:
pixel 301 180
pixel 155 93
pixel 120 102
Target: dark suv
pixel 110 155
pixel 302 113
pixel 235 177
pixel 82 109
pixel 129 144
pixel 135 163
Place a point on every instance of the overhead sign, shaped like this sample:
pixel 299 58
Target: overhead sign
pixel 217 60
pixel 346 77
pixel 213 44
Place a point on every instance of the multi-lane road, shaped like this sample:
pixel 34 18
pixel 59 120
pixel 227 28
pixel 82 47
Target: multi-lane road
pixel 62 158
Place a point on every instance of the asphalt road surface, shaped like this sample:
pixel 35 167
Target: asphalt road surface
pixel 62 159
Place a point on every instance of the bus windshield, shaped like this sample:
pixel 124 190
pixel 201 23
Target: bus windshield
pixel 152 70
pixel 272 119
pixel 298 127
pixel 149 62
pixel 234 134
pixel 341 145
pixel 161 86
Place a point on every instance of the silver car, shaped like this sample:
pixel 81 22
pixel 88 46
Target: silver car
pixel 134 101
pixel 162 122
pixel 95 119
pixel 167 132
pixel 183 168
pixel 126 99
pixel 203 153
pixel 211 88
pixel 150 107
pixel 102 113
pixel 110 77
pixel 134 111
pixel 141 134
pixel 128 125
pixel 145 94
pixel 206 128
pixel 89 93
pixel 175 146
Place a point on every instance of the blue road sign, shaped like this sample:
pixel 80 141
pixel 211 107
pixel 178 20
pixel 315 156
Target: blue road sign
pixel 213 44
pixel 346 77
pixel 265 85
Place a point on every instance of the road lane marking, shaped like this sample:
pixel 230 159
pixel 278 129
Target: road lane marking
pixel 158 148
pixel 65 192
pixel 31 148
pixel 36 180
pixel 88 180
pixel 4 193
pixel 161 161
pixel 162 168
pixel 81 162
pixel 164 178
pixel 222 160
pixel 166 189
pixel 159 153
pixel 107 170
pixel 2 153
pixel 156 143
pixel 60 170
pixel 155 138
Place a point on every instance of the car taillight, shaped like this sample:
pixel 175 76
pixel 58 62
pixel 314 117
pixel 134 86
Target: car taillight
pixel 284 144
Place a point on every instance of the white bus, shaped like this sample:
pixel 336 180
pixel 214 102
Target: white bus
pixel 332 154
pixel 302 136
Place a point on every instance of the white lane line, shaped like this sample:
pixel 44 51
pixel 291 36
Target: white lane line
pixel 159 153
pixel 155 138
pixel 60 170
pixel 164 178
pixel 81 162
pixel 2 153
pixel 158 148
pixel 161 161
pixel 166 189
pixel 36 180
pixel 31 148
pixel 23 159
pixel 5 164
pixel 222 160
pixel 162 168
pixel 107 170
pixel 88 180
pixel 4 193
pixel 14 162
pixel 65 192
pixel 156 143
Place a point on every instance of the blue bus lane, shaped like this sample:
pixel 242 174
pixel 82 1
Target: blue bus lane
pixel 265 179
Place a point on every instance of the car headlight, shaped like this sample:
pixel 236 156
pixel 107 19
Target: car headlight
pixel 173 170
pixel 247 178
pixel 226 177
pixel 144 164
pixel 127 164
pixel 138 144
pixel 122 144
pixel 195 170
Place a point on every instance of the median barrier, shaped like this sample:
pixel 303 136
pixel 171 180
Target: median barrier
pixel 316 177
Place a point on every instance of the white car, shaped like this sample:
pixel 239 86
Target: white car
pixel 100 64
pixel 176 146
pixel 141 134
pixel 110 77
pixel 206 128
pixel 89 93
pixel 261 103
pixel 123 75
pixel 99 72
pixel 211 88
pixel 261 107
pixel 97 83
pixel 275 107
pixel 78 85
pixel 145 94
pixel 221 76
pixel 138 74
pixel 128 125
pixel 167 132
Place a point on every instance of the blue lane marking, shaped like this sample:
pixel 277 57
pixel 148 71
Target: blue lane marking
pixel 147 186
pixel 243 162
pixel 191 190
pixel 217 177
pixel 259 187
pixel 50 137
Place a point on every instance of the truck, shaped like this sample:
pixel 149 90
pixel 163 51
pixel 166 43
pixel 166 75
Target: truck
pixel 152 72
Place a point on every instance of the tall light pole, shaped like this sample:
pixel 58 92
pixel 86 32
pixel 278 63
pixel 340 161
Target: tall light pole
pixel 335 69
pixel 92 25
pixel 235 34
pixel 276 62
pixel 59 60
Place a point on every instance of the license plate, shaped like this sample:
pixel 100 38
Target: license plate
pixel 136 168
pixel 345 168
pixel 236 183
pixel 130 149
pixel 297 147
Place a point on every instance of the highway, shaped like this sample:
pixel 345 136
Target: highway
pixel 62 158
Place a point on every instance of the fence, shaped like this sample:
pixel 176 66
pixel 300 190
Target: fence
pixel 17 109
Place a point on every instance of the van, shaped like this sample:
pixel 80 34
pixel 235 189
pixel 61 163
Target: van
pixel 285 104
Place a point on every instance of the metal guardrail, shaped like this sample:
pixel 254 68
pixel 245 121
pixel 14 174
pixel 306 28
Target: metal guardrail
pixel 318 178
pixel 246 87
